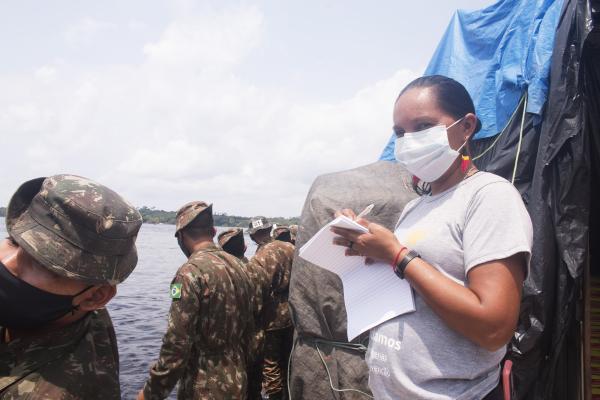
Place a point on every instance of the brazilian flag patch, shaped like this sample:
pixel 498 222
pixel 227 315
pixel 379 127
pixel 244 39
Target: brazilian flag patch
pixel 175 290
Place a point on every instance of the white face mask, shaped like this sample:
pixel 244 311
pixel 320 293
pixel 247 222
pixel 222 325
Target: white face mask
pixel 427 154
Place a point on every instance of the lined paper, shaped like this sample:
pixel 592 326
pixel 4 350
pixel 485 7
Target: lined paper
pixel 373 294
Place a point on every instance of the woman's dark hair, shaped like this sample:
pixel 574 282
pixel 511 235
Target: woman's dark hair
pixel 452 98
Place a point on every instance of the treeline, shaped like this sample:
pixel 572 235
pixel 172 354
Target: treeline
pixel 151 215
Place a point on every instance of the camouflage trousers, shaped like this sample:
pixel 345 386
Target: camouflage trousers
pixel 277 348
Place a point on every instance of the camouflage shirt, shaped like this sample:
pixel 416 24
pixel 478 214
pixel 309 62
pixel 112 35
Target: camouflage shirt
pixel 78 361
pixel 259 246
pixel 271 268
pixel 211 323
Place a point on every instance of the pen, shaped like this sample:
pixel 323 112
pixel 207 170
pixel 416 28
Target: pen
pixel 365 211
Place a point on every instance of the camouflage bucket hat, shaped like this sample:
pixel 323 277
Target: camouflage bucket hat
pixel 283 233
pixel 258 224
pixel 75 227
pixel 233 235
pixel 189 212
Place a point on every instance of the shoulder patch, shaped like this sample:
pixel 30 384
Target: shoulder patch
pixel 175 291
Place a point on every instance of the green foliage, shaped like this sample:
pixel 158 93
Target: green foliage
pixel 151 215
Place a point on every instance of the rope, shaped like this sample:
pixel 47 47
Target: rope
pixel 520 139
pixel 505 127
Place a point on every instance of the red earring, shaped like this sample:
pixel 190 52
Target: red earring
pixel 465 164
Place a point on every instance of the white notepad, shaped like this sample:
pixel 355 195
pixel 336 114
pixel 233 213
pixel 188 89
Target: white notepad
pixel 373 294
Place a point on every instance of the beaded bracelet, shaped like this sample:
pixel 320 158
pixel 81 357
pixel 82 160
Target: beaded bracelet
pixel 398 256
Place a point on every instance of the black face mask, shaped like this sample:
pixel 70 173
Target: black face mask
pixel 24 306
pixel 182 246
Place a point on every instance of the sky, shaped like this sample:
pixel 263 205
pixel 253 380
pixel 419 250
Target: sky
pixel 239 103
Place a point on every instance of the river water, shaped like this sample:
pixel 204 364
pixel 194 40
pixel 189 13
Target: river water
pixel 139 310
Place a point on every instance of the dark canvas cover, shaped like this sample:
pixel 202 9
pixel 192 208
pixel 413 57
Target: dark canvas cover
pixel 316 297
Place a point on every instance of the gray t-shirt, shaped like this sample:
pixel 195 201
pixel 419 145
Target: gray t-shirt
pixel 416 355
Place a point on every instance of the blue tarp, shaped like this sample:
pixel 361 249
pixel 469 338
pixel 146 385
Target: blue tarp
pixel 497 53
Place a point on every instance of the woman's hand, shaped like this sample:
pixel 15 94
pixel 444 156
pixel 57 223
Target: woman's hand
pixel 378 244
pixel 347 212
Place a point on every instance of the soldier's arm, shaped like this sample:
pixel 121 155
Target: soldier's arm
pixel 261 272
pixel 178 339
pixel 282 258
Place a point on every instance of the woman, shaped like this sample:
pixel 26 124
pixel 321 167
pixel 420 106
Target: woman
pixel 464 247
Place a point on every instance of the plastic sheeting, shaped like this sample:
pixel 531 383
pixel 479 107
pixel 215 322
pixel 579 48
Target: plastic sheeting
pixel 554 176
pixel 498 53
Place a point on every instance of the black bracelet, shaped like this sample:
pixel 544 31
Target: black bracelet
pixel 401 266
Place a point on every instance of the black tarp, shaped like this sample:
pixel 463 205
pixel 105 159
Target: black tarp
pixel 555 177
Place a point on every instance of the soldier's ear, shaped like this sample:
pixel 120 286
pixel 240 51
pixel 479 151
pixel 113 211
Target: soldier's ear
pixel 214 231
pixel 95 298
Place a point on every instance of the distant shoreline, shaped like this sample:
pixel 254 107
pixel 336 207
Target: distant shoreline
pixel 151 215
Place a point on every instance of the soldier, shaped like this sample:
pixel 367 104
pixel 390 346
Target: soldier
pixel 282 233
pixel 272 265
pixel 71 241
pixel 211 320
pixel 260 231
pixel 232 241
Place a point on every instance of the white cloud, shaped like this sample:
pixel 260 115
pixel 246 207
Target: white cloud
pixel 210 45
pixel 136 26
pixel 85 30
pixel 182 124
pixel 46 74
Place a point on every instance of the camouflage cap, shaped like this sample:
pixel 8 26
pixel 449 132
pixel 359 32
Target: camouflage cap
pixel 190 211
pixel 230 234
pixel 75 227
pixel 258 224
pixel 282 232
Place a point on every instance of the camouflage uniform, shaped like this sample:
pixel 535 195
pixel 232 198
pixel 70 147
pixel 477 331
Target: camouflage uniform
pixel 263 244
pixel 211 324
pixel 272 267
pixel 81 230
pixel 79 361
pixel 232 241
